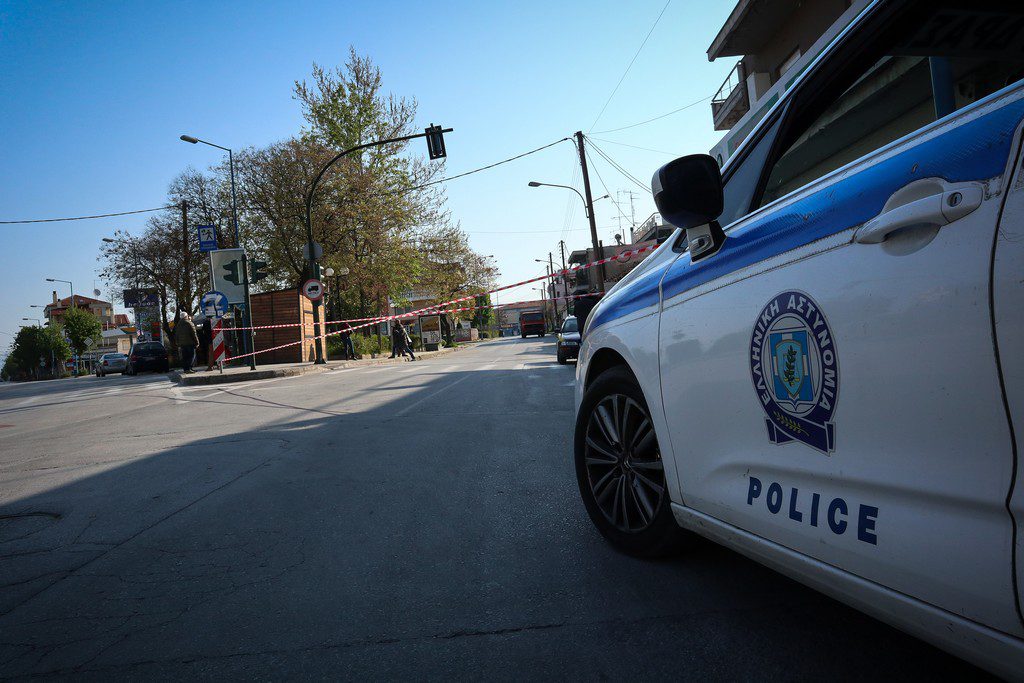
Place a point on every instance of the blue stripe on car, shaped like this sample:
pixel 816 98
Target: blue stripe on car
pixel 976 150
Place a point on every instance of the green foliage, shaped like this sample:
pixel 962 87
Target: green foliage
pixel 789 371
pixel 80 326
pixel 484 314
pixel 31 344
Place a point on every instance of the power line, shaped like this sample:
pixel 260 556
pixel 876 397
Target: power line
pixel 619 168
pixel 482 168
pixel 530 232
pixel 630 66
pixel 174 206
pixel 674 111
pixel 606 190
pixel 83 218
pixel 645 149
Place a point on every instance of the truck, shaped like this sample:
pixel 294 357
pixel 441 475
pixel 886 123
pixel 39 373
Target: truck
pixel 531 322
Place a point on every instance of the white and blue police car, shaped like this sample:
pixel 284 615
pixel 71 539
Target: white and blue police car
pixel 824 367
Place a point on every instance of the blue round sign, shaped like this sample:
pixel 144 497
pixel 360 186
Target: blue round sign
pixel 794 365
pixel 214 304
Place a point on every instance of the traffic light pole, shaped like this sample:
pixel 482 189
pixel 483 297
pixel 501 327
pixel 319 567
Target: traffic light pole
pixel 435 144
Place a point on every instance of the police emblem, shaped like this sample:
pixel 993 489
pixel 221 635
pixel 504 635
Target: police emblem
pixel 795 369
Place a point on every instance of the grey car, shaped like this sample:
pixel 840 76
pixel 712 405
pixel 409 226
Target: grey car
pixel 111 362
pixel 568 340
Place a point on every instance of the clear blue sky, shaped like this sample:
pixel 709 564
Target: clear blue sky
pixel 95 95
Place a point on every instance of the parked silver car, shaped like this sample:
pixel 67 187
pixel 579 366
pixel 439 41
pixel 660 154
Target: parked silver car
pixel 111 362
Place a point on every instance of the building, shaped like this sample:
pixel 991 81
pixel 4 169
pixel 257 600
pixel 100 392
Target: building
pixel 654 229
pixel 585 281
pixel 103 310
pixel 775 41
pixel 508 315
pixel 291 310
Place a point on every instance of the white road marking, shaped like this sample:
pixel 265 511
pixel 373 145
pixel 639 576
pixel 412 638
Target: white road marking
pixel 411 406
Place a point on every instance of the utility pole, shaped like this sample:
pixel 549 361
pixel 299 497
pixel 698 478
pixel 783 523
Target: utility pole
pixel 598 254
pixel 186 265
pixel 554 290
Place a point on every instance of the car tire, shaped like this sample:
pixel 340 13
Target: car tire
pixel 623 486
pixel 524 336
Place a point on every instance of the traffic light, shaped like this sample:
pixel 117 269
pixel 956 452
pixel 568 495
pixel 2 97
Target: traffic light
pixel 233 275
pixel 257 270
pixel 435 142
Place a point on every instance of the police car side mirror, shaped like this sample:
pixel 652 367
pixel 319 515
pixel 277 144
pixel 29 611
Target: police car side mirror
pixel 688 194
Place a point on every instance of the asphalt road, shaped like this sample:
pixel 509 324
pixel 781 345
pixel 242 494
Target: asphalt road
pixel 408 521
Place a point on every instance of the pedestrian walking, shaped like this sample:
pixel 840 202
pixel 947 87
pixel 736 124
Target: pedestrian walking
pixel 187 338
pixel 347 349
pixel 400 342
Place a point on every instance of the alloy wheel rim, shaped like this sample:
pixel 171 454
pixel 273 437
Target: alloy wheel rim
pixel 623 463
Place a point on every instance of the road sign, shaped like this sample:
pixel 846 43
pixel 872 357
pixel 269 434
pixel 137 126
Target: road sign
pixel 313 290
pixel 207 237
pixel 318 251
pixel 90 342
pixel 226 273
pixel 141 297
pixel 215 304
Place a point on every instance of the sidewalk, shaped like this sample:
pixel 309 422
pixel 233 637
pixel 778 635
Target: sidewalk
pixel 244 374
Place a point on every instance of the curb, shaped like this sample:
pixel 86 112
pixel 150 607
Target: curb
pixel 207 378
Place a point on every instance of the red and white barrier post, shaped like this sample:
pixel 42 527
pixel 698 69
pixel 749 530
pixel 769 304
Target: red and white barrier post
pixel 218 348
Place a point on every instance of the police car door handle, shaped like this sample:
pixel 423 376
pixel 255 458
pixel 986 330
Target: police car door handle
pixel 933 211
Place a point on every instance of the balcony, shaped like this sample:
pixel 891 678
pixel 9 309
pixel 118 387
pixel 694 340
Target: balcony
pixel 731 102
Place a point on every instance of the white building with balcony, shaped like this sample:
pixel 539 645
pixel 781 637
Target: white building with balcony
pixel 775 41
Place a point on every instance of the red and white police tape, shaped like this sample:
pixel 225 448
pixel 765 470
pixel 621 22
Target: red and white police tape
pixel 623 256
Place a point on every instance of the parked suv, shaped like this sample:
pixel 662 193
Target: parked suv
pixel 111 362
pixel 822 368
pixel 149 355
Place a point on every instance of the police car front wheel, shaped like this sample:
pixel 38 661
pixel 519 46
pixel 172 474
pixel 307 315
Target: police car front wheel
pixel 619 468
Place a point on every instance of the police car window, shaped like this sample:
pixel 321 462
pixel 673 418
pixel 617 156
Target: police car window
pixel 939 57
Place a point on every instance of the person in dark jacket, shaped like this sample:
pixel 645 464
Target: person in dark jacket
pixel 205 352
pixel 400 342
pixel 347 349
pixel 187 339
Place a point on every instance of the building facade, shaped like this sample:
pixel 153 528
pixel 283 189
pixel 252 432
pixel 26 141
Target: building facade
pixel 775 41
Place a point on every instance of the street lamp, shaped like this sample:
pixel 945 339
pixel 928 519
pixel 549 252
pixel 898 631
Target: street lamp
pixel 234 222
pixel 589 210
pixel 54 279
pixel 38 322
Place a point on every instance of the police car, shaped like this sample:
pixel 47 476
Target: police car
pixel 823 367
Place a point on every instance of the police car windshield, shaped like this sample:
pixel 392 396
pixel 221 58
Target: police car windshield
pixel 570 325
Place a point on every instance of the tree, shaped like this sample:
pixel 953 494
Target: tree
pixel 484 313
pixel 166 255
pixel 80 326
pixel 33 348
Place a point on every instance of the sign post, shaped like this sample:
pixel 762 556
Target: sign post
pixel 430 332
pixel 207 237
pixel 313 290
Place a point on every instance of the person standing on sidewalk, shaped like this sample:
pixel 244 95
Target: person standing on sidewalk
pixel 348 350
pixel 206 342
pixel 187 338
